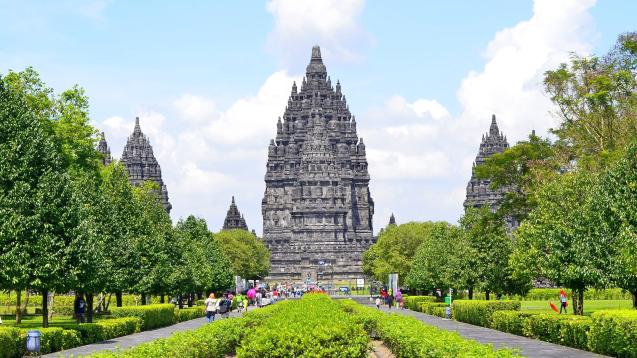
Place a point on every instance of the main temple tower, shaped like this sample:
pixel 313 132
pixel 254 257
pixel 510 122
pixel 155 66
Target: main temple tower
pixel 317 208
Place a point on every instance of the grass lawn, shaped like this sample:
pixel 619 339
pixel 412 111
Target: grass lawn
pixel 590 306
pixel 36 322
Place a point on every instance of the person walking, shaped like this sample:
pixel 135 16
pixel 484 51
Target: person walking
pixel 211 307
pixel 378 302
pixel 79 308
pixel 563 301
pixel 390 300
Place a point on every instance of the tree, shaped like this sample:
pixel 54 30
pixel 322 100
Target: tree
pixel 615 211
pixel 250 258
pixel 395 249
pixel 37 212
pixel 434 266
pixel 597 103
pixel 521 169
pixel 557 238
pixel 490 245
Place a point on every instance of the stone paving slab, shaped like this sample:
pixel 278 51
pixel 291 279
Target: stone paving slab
pixel 134 339
pixel 527 346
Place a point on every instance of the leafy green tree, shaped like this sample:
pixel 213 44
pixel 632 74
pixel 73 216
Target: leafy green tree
pixel 395 250
pixel 521 169
pixel 434 266
pixel 557 239
pixel 491 246
pixel 615 211
pixel 37 211
pixel 597 103
pixel 250 258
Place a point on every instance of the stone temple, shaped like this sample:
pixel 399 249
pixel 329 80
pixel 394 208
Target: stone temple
pixel 234 219
pixel 103 148
pixel 317 208
pixel 479 191
pixel 140 162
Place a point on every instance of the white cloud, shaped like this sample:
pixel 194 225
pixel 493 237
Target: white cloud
pixel 429 107
pixel 194 108
pixel 333 24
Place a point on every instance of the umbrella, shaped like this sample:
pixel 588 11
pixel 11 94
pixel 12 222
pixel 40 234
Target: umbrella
pixel 553 307
pixel 252 293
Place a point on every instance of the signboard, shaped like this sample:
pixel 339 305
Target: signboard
pixel 393 282
pixel 360 282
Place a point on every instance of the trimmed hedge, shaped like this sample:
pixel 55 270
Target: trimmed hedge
pixel 186 314
pixel 479 312
pixel 433 308
pixel 543 294
pixel 152 316
pixel 413 302
pixel 216 340
pixel 614 332
pixel 567 330
pixel 107 329
pixel 9 344
pixel 407 337
pixel 510 321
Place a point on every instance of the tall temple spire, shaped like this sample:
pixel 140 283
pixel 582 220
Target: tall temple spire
pixel 103 148
pixel 234 219
pixel 317 205
pixel 392 219
pixel 141 165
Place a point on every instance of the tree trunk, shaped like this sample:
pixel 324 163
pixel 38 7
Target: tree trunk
pixel 45 308
pixel 162 299
pixel 486 295
pixel 179 302
pixel 190 297
pixel 470 292
pixel 89 307
pixel 118 298
pixel 634 294
pixel 107 303
pixel 580 299
pixel 18 306
pixel 143 299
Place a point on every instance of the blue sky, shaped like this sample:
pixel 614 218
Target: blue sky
pixel 209 79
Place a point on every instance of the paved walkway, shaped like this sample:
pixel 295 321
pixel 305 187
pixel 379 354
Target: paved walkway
pixel 527 346
pixel 134 339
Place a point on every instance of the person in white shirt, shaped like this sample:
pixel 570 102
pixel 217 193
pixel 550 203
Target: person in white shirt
pixel 211 304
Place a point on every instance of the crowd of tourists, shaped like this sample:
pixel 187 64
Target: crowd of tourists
pixel 253 297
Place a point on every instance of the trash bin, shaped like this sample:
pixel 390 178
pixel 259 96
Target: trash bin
pixel 33 341
pixel 448 312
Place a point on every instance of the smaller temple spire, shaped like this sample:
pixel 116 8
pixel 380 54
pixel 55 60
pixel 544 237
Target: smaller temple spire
pixel 493 129
pixel 392 219
pixel 103 148
pixel 294 89
pixel 234 219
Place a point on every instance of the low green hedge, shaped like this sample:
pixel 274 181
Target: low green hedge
pixel 152 316
pixel 9 343
pixel 216 340
pixel 567 330
pixel 107 329
pixel 614 332
pixel 186 314
pixel 544 294
pixel 407 337
pixel 413 302
pixel 479 312
pixel 433 308
pixel 509 321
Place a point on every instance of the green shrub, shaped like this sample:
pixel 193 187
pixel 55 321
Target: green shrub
pixel 314 326
pixel 408 337
pixel 215 340
pixel 152 316
pixel 509 321
pixel 186 314
pixel 614 332
pixel 9 342
pixel 433 308
pixel 413 302
pixel 479 312
pixel 545 294
pixel 107 329
pixel 568 330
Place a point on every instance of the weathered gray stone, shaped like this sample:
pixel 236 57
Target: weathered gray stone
pixel 103 148
pixel 317 205
pixel 141 165
pixel 234 219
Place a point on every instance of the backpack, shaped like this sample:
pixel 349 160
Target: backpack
pixel 223 306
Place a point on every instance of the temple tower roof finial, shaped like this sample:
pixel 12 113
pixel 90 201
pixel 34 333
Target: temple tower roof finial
pixel 316 53
pixel 137 129
pixel 493 129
